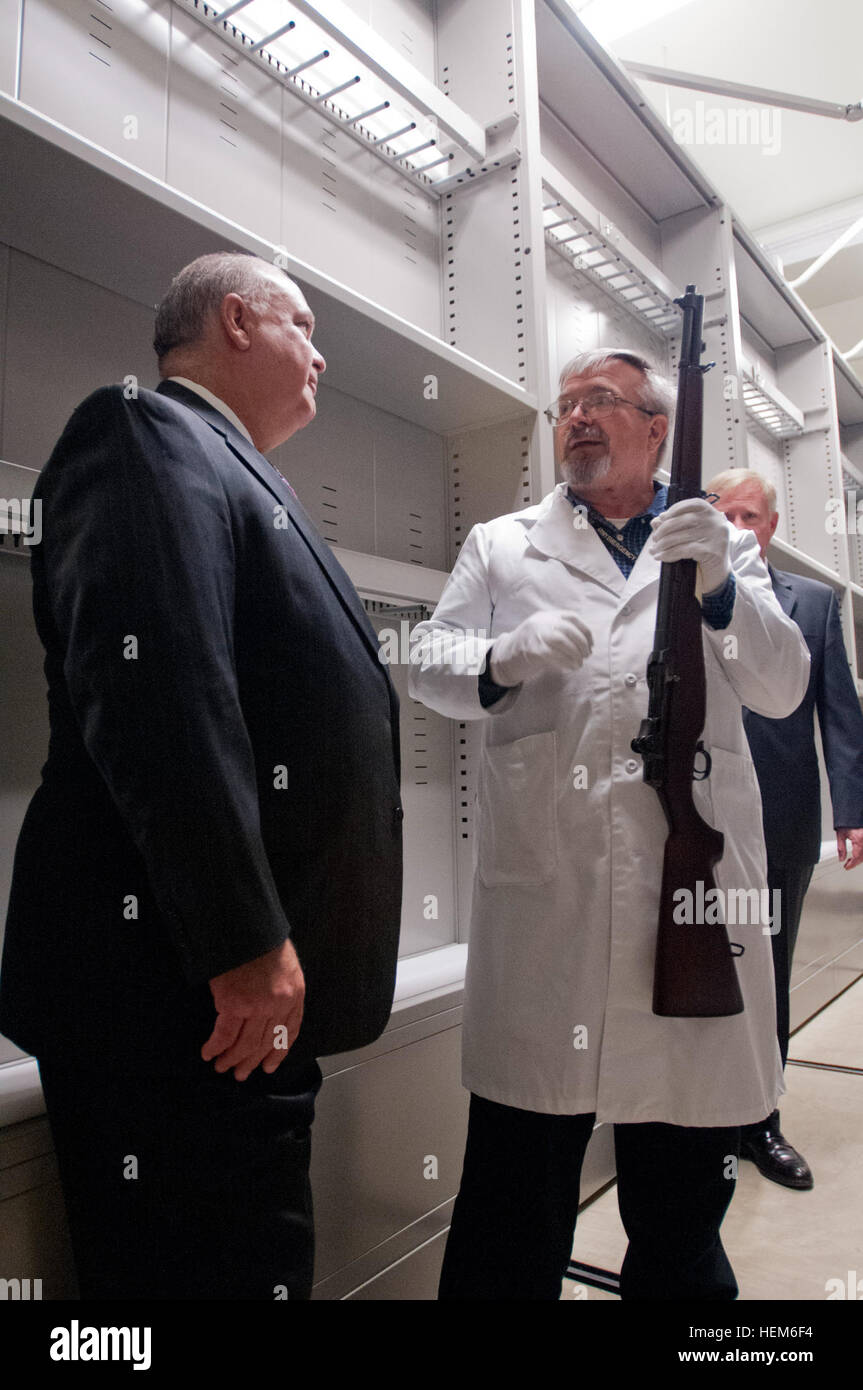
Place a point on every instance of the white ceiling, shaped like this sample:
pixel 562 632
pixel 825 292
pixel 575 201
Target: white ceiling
pixel 798 181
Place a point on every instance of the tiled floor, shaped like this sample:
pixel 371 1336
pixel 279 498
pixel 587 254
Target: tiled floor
pixel 783 1244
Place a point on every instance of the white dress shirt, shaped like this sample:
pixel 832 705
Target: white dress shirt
pixel 214 400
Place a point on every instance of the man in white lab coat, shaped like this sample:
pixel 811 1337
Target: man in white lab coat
pixel 544 630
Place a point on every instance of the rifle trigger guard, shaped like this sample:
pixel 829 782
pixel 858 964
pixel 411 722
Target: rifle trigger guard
pixel 700 774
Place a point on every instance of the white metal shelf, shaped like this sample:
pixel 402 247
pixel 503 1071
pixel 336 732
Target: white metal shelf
pixel 383 580
pixel 852 474
pixel 849 390
pixel 788 557
pixel 767 407
pixel 767 303
pixel 423 978
pixel 376 577
pixel 81 208
pixel 16 488
pixel 588 241
pixel 600 104
pixel 325 55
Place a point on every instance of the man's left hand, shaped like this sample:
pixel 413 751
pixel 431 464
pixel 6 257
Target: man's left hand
pixel 694 530
pixel 855 853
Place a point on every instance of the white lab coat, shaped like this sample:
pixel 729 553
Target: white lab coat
pixel 558 999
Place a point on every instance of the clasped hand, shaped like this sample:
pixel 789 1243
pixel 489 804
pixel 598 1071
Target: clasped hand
pixel 260 1009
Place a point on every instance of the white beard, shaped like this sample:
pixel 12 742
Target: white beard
pixel 578 472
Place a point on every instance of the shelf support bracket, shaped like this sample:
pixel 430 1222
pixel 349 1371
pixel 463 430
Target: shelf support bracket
pixel 763 96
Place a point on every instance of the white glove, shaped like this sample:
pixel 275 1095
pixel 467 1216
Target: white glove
pixel 694 530
pixel 551 639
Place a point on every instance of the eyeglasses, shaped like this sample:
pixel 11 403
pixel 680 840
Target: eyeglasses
pixel 597 404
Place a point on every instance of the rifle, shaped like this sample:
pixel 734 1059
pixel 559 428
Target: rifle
pixel 694 976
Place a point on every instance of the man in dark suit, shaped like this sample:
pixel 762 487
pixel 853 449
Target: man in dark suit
pixel 207 883
pixel 786 763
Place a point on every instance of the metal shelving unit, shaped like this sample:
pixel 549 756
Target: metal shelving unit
pixel 372 353
pixel 320 53
pixel 592 244
pixel 768 408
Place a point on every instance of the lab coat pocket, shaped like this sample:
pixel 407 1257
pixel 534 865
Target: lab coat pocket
pixel 517 840
pixel 734 790
pixel 737 814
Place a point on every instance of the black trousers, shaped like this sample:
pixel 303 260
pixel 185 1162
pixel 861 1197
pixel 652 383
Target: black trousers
pixel 515 1214
pixel 792 881
pixel 194 1186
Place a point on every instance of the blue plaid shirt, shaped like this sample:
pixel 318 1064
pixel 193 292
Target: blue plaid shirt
pixel 716 607
pixel 634 533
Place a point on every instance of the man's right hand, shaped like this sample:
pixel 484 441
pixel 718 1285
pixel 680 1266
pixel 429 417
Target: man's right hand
pixel 552 639
pixel 253 1001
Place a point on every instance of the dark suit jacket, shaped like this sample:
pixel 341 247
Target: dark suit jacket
pixel 783 750
pixel 203 647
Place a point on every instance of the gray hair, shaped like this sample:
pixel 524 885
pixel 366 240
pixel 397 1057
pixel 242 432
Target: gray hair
pixel 732 478
pixel 657 392
pixel 197 291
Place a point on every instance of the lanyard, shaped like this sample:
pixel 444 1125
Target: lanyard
pixel 613 540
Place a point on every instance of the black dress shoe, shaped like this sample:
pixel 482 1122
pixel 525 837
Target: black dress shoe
pixel 775 1158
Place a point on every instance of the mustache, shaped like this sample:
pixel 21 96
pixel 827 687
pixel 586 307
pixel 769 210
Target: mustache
pixel 590 436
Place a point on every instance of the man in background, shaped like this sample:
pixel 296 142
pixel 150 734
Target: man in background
pixel 786 762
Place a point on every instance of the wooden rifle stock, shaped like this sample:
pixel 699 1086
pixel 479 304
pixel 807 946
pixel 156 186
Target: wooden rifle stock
pixel 695 975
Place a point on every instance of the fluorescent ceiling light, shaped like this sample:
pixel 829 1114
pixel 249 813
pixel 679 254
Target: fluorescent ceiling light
pixel 609 20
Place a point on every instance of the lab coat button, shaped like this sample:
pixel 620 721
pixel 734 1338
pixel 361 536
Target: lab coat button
pixel 630 679
pixel 631 765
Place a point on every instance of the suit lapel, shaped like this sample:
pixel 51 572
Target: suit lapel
pixel 275 483
pixel 783 590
